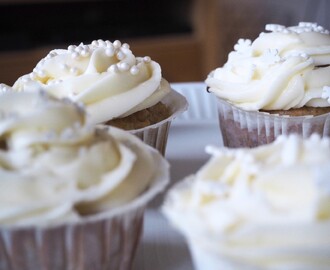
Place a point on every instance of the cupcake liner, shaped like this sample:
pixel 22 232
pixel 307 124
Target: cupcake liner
pixel 241 128
pixel 156 135
pixel 103 241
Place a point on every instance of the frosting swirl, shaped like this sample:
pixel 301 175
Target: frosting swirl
pixel 54 167
pixel 106 77
pixel 282 69
pixel 268 207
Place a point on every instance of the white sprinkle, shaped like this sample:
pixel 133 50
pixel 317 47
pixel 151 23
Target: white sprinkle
pixel 271 56
pixel 78 49
pixel 72 48
pixel 108 43
pixel 243 46
pixel 303 27
pixel 113 68
pixel 125 46
pixel 274 27
pixel 74 70
pixel 326 93
pixel 146 59
pixel 134 70
pixel 101 43
pixel 123 66
pixel 117 44
pixel 85 53
pixel 121 55
pixel 4 88
pixel 75 55
pixel 95 43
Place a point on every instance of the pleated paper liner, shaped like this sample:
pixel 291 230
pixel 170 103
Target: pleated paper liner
pixel 156 135
pixel 105 241
pixel 240 128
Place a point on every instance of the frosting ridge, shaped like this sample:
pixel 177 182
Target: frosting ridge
pixel 55 167
pixel 267 207
pixel 105 76
pixel 282 69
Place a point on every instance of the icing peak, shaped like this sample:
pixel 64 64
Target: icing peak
pixel 105 76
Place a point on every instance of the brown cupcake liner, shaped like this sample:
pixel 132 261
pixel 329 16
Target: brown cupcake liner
pixel 241 128
pixel 105 241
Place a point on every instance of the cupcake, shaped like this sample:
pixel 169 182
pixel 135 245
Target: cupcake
pixel 117 88
pixel 71 196
pixel 277 84
pixel 258 208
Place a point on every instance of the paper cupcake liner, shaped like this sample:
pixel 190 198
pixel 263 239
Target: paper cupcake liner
pixel 241 128
pixel 156 135
pixel 103 241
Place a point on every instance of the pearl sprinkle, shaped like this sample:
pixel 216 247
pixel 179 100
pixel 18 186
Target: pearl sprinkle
pixel 121 52
pixel 134 70
pixel 146 59
pixel 302 27
pixel 326 93
pixel 4 88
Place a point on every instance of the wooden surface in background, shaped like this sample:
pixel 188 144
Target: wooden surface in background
pixel 187 57
pixel 216 24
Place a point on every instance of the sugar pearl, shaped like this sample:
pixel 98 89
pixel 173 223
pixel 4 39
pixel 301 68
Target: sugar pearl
pixel 146 59
pixel 125 46
pixel 72 48
pixel 117 44
pixel 74 70
pixel 101 43
pixel 84 53
pixel 75 55
pixel 113 68
pixel 123 66
pixel 120 55
pixel 134 70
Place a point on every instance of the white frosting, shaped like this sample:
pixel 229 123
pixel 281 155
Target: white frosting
pixel 105 76
pixel 266 207
pixel 55 168
pixel 279 70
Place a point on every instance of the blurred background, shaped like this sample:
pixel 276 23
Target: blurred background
pixel 188 38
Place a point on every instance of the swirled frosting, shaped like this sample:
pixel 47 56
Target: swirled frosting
pixel 281 69
pixel 266 207
pixel 54 167
pixel 106 77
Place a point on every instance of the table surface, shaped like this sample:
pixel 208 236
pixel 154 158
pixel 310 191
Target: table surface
pixel 162 247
